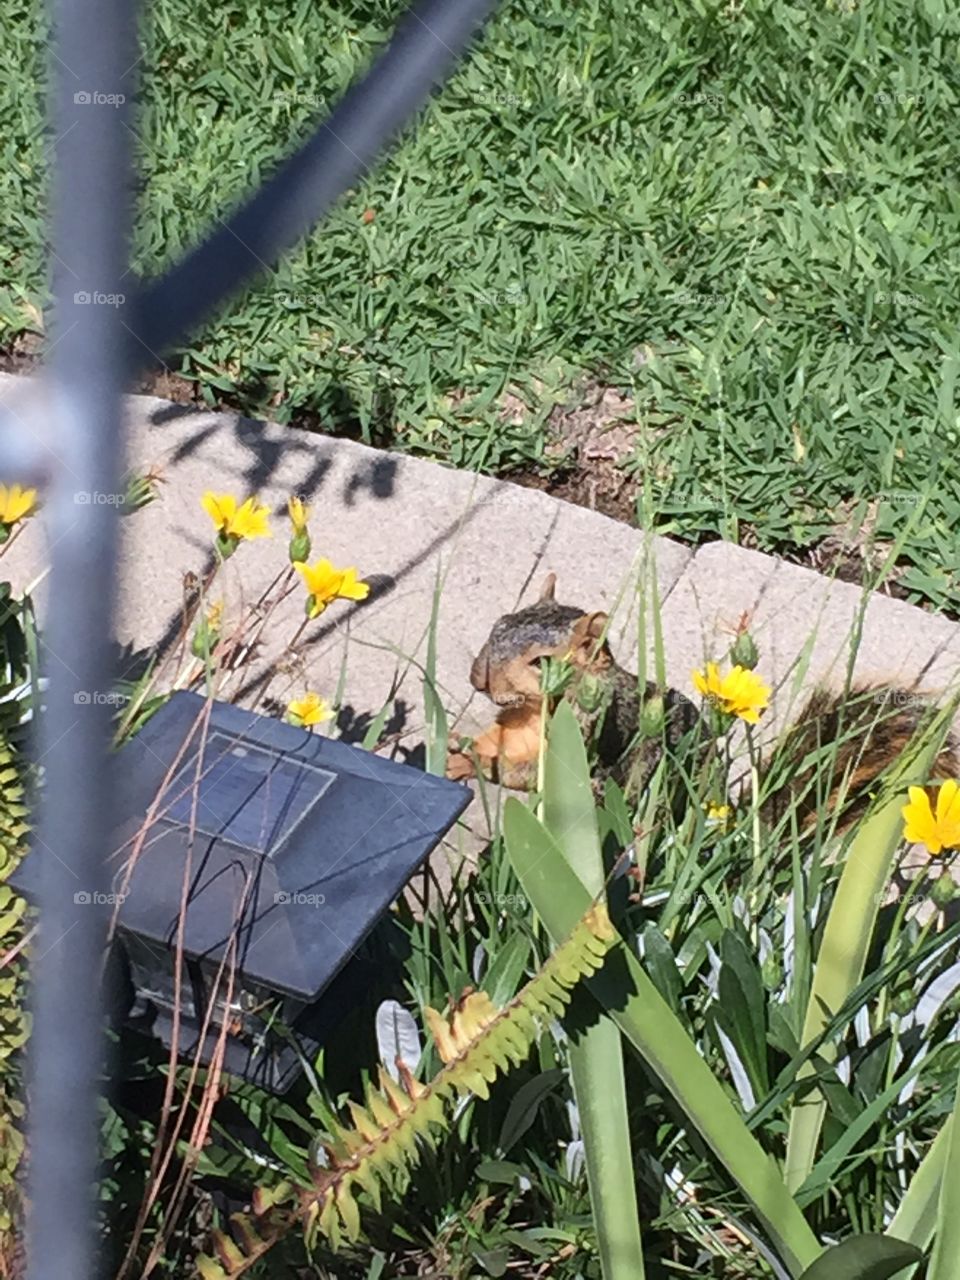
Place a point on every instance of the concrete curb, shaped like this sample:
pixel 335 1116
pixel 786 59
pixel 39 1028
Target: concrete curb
pixel 407 523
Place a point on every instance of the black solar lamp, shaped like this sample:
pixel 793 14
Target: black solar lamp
pixel 288 847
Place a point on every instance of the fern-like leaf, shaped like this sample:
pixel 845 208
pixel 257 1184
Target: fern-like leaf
pixel 476 1042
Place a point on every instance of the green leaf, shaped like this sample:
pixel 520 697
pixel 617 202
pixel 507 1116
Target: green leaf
pixel 596 1052
pixel 505 1172
pixel 437 728
pixel 872 1257
pixel 629 996
pixel 945 1262
pixel 524 1106
pixel 742 1007
pixel 503 977
pixel 494 1261
pixel 660 961
pixel 916 1216
pixel 843 948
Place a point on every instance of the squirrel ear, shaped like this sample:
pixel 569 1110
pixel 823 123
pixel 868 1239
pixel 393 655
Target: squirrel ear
pixel 480 670
pixel 589 628
pixel 592 625
pixel 549 588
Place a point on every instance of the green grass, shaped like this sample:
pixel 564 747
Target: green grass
pixel 743 215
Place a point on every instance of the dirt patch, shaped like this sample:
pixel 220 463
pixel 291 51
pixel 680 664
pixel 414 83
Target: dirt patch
pixel 591 441
pixel 24 356
pixel 167 385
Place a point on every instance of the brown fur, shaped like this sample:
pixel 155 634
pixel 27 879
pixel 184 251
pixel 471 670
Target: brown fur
pixel 857 737
pixel 507 670
pixel 860 734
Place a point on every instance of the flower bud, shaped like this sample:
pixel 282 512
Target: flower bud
pixel 771 970
pixel 555 676
pixel 904 1001
pixel 944 890
pixel 589 693
pixel 226 545
pixel 206 635
pixel 653 716
pixel 300 546
pixel 744 652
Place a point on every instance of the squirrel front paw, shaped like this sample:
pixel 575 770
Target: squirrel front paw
pixel 460 766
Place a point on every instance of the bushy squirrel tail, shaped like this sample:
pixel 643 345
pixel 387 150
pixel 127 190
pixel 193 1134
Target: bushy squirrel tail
pixel 835 752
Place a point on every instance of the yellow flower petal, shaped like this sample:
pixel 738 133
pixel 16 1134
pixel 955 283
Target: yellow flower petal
pixel 935 828
pixel 325 583
pixel 299 514
pixel 946 798
pixel 351 589
pixel 250 521
pixel 15 503
pixel 707 682
pixel 740 692
pixel 231 521
pixel 220 507
pixel 310 709
pixel 321 579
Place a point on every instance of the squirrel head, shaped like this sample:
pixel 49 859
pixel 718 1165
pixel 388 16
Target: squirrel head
pixel 507 668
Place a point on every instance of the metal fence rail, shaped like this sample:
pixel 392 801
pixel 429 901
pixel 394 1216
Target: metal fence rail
pixel 94 350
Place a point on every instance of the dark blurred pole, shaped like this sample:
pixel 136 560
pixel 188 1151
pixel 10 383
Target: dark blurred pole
pixel 100 332
pixel 94 48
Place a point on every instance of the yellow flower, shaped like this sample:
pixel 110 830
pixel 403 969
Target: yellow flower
pixel 717 812
pixel 939 830
pixel 235 523
pixel 16 503
pixel 739 693
pixel 299 514
pixel 299 547
pixel 308 710
pixel 325 583
pixel 215 616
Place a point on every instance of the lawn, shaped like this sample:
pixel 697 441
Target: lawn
pixel 740 216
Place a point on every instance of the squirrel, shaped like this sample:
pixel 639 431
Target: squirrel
pixel 867 727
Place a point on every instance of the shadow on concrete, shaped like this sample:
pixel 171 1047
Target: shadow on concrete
pixel 377 476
